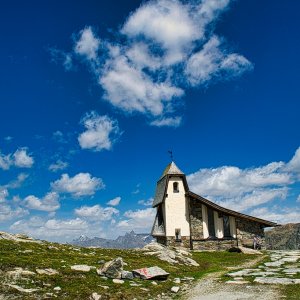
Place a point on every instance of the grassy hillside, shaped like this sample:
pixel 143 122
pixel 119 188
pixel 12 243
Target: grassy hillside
pixel 80 285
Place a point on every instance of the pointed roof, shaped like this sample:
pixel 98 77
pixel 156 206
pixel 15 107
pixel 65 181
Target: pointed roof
pixel 172 169
pixel 162 183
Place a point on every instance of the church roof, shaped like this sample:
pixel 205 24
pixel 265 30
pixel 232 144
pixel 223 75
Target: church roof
pixel 172 169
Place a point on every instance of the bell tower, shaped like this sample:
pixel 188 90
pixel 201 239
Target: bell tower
pixel 171 225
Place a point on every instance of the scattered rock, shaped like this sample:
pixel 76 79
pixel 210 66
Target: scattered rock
pixel 48 271
pixel 177 280
pixel 168 255
pixel 249 250
pixel 112 269
pixel 154 282
pixel 95 296
pixel 126 275
pixel 81 268
pixel 175 289
pixel 150 273
pixel 19 272
pixel 118 281
pixel 57 289
pixel 104 287
pixel 237 282
pixel 22 290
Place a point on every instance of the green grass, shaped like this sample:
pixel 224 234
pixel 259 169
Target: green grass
pixel 79 285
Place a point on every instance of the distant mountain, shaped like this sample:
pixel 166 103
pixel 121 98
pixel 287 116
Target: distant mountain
pixel 285 237
pixel 128 241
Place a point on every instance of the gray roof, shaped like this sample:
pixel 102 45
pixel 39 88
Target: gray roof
pixel 172 169
pixel 160 191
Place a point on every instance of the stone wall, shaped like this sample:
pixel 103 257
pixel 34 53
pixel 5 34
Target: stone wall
pixel 196 219
pixel 184 241
pixel 218 245
pixel 246 230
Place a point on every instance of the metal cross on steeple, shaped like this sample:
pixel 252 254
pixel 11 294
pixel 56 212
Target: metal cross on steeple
pixel 171 154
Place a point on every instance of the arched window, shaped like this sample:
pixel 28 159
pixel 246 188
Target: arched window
pixel 175 187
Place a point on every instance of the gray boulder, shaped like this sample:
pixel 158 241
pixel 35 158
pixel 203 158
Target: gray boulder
pixel 112 269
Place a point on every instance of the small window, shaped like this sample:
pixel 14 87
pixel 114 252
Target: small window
pixel 175 187
pixel 177 234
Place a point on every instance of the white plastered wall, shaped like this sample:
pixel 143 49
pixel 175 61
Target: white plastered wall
pixel 205 222
pixel 176 209
pixel 232 226
pixel 219 231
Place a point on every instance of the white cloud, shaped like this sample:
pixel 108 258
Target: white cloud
pixel 101 132
pixel 245 189
pixel 140 220
pixel 146 202
pixel 82 184
pixel 294 164
pixel 52 228
pixel 114 202
pixel 22 159
pixel 5 161
pixel 131 89
pixel 211 61
pixel 58 165
pixel 96 213
pixel 9 212
pixel 163 48
pixel 3 194
pixel 48 203
pixel 279 215
pixel 88 44
pixel 171 122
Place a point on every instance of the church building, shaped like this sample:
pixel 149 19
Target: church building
pixel 186 219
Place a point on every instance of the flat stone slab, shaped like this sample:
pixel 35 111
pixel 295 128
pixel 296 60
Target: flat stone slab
pixel 262 274
pixel 237 282
pixel 244 272
pixel 276 280
pixel 292 270
pixel 81 268
pixel 277 263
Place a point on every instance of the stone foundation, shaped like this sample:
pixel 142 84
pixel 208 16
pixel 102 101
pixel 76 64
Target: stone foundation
pixel 218 245
pixel 172 242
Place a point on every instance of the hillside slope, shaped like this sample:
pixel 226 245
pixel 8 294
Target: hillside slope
pixel 41 270
pixel 285 237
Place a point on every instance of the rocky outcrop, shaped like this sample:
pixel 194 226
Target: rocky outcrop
pixel 285 237
pixel 172 256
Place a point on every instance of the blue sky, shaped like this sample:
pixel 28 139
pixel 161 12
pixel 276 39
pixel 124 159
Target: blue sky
pixel 93 95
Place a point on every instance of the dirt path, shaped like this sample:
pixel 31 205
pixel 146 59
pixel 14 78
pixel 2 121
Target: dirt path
pixel 211 288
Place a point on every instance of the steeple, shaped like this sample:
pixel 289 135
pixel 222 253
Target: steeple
pixel 172 169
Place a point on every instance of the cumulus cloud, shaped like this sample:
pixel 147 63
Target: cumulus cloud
pixel 58 165
pixel 48 203
pixel 22 159
pixel 140 220
pixel 3 194
pixel 52 228
pixel 19 159
pixel 88 44
pixel 96 213
pixel 114 202
pixel 82 184
pixel 146 202
pixel 244 189
pixel 9 212
pixel 163 48
pixel 101 132
pixel 278 214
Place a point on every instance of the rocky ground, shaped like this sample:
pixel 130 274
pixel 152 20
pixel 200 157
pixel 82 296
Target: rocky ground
pixel 262 282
